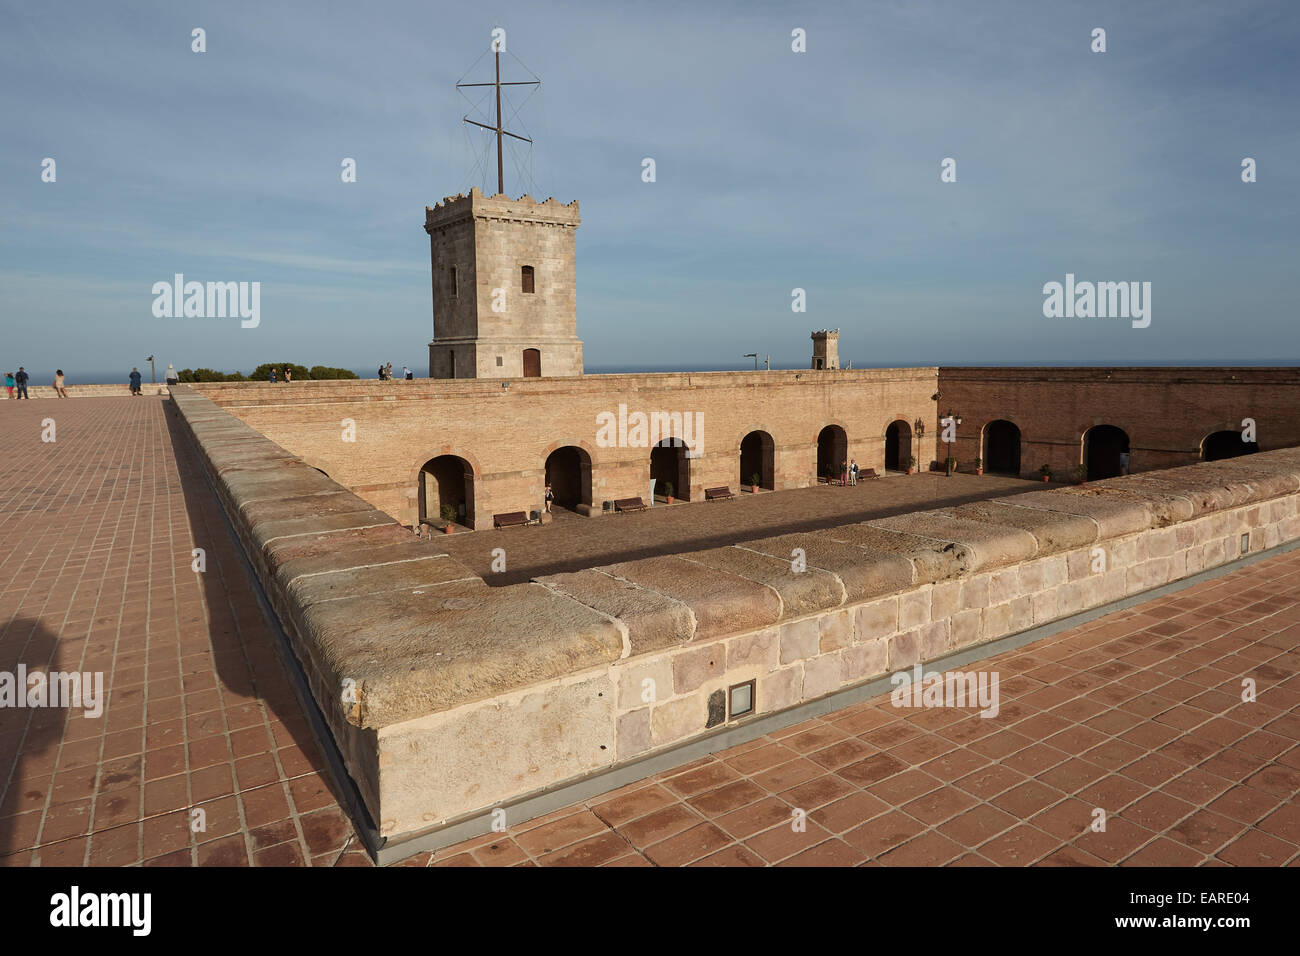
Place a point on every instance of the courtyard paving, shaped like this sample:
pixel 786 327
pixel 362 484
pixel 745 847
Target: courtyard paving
pixel 572 542
pixel 1138 713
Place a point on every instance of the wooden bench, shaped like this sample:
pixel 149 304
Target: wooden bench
pixel 629 504
pixel 510 519
pixel 718 494
pixel 867 473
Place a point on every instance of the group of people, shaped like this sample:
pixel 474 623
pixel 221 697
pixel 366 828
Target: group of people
pixel 18 380
pixel 386 373
pixel 849 472
pixel 288 375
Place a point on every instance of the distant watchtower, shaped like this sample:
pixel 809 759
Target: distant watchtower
pixel 504 293
pixel 826 349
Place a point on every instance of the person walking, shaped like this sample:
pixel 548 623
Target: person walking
pixel 172 377
pixel 9 383
pixel 135 381
pixel 59 390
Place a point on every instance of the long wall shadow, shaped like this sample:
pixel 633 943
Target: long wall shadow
pixel 479 559
pixel 234 584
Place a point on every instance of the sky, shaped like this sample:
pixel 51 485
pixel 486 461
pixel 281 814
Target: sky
pixel 774 170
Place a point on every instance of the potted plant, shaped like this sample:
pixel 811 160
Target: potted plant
pixel 911 463
pixel 448 518
pixel 754 481
pixel 979 466
pixel 1080 474
pixel 668 491
pixel 1046 472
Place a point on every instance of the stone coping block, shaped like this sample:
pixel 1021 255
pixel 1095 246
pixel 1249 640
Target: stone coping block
pixel 987 545
pixel 1053 531
pixel 722 603
pixel 438 647
pixel 652 620
pixel 863 572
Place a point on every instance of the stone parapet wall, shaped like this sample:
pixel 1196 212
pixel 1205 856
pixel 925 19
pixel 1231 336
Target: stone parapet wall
pixel 449 697
pixel 86 391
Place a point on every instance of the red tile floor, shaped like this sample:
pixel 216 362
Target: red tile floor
pixel 1138 713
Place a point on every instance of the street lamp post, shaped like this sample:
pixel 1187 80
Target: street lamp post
pixel 955 418
pixel 918 431
pixel 754 356
pixel 152 379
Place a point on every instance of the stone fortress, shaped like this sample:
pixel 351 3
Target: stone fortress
pixel 449 698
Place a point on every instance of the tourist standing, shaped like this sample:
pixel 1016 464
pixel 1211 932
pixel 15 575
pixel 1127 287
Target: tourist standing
pixel 288 374
pixel 406 373
pixel 853 471
pixel 135 381
pixel 9 383
pixel 550 496
pixel 271 377
pixel 59 390
pixel 21 380
pixel 172 377
pixel 844 473
pixel 388 371
pixel 381 373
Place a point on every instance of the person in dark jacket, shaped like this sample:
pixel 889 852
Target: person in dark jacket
pixel 135 381
pixel 21 380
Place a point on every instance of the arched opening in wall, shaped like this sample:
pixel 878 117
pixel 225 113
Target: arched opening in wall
pixel 1102 447
pixel 832 452
pixel 1001 448
pixel 447 480
pixel 669 465
pixel 532 363
pixel 898 446
pixel 757 457
pixel 568 472
pixel 1226 444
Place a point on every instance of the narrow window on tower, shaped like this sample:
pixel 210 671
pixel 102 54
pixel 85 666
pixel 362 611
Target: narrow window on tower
pixel 527 279
pixel 455 285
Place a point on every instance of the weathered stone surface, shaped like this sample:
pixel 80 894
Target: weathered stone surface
pixel 316 525
pixel 722 603
pixel 801 592
pixel 863 573
pixel 1115 516
pixel 654 620
pixel 422 574
pixel 444 765
pixel 335 502
pixel 1052 530
pixel 417 654
pixel 932 560
pixel 987 545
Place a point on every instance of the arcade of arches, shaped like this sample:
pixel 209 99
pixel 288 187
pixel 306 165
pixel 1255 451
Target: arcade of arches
pixel 1103 446
pixel 1226 444
pixel 447 480
pixel 1001 448
pixel 757 457
pixel 568 472
pixel 898 446
pixel 670 465
pixel 832 452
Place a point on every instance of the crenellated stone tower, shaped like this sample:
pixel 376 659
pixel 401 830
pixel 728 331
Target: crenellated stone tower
pixel 826 349
pixel 504 293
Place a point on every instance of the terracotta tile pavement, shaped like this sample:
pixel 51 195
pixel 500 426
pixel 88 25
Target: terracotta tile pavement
pixel 96 571
pixel 1138 713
